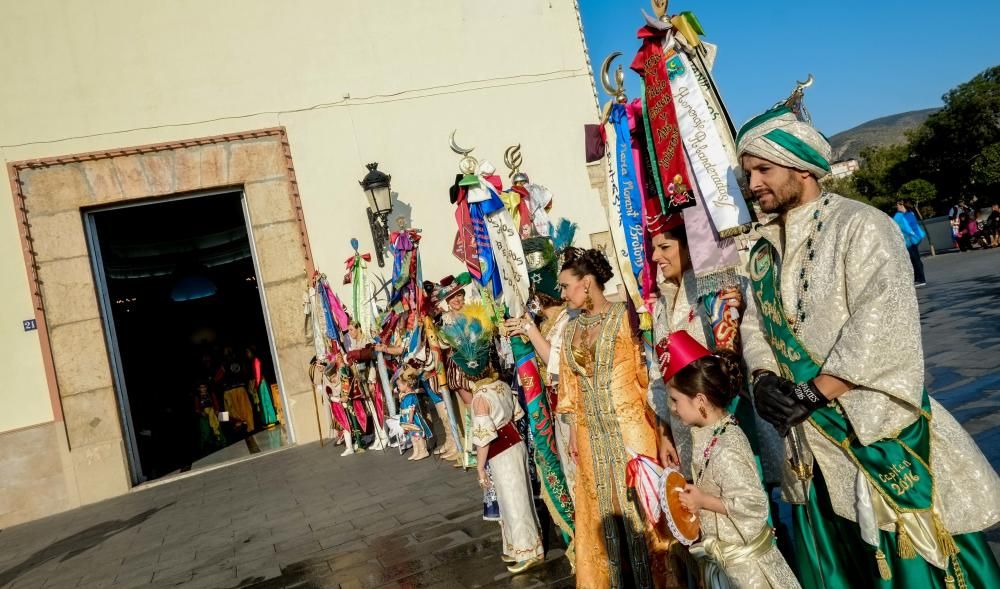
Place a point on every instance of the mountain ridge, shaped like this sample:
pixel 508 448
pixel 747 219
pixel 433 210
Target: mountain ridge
pixel 883 131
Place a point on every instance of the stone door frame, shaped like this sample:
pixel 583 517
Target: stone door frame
pixel 51 196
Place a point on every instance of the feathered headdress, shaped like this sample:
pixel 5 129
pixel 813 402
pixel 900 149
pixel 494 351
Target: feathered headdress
pixel 470 333
pixel 563 234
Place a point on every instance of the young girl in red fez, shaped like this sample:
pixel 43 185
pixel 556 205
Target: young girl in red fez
pixel 737 542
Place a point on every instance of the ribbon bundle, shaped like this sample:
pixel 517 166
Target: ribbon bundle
pixel 357 277
pixel 681 165
pixel 407 295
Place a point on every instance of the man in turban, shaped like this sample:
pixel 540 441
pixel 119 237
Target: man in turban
pixel 899 493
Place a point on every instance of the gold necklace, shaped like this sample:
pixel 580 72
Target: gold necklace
pixel 591 320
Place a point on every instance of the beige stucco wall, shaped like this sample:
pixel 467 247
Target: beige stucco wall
pixel 351 82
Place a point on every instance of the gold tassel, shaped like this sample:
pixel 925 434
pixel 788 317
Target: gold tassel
pixel 945 541
pixel 949 582
pixel 883 565
pixel 905 546
pixel 645 321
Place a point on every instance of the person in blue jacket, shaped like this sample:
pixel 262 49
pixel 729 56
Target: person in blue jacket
pixel 913 234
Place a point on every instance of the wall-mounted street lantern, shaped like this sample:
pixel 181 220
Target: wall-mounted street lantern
pixel 377 190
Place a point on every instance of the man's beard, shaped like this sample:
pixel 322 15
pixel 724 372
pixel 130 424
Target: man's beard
pixel 785 197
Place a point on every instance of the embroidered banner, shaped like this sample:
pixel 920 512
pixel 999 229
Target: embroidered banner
pixel 509 255
pixel 357 276
pixel 481 203
pixel 664 133
pixel 630 197
pixel 619 257
pixel 555 491
pixel 715 261
pixel 333 310
pixel 465 238
pixel 713 167
pixel 539 204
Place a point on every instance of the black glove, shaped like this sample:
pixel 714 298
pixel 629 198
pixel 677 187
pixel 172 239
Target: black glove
pixel 784 404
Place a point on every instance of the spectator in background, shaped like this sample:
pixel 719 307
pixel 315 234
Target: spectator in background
pixel 992 225
pixel 967 228
pixel 957 210
pixel 913 234
pixel 953 217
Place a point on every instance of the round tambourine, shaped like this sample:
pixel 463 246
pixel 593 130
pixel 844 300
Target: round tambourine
pixel 684 525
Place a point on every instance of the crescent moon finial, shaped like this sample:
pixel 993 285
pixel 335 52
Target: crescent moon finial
pixel 456 148
pixel 468 164
pixel 617 91
pixel 795 99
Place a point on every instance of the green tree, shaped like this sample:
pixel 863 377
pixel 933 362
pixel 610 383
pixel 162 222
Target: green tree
pixel 986 171
pixel 945 149
pixel 881 171
pixel 920 191
pixel 844 186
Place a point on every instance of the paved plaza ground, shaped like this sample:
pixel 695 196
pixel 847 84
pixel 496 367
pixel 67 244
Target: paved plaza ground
pixel 307 518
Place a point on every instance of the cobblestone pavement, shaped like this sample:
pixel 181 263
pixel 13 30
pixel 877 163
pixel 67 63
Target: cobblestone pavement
pixel 307 518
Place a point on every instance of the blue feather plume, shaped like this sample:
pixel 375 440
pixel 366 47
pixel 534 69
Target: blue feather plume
pixel 563 234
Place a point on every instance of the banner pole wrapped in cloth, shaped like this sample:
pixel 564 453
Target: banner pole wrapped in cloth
pixel 554 490
pixel 706 140
pixel 505 278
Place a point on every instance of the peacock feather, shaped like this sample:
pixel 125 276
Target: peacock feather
pixel 470 333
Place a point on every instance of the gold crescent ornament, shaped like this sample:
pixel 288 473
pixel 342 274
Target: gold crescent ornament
pixel 468 164
pixel 795 102
pixel 616 91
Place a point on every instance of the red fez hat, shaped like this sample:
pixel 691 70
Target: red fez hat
pixel 657 221
pixel 678 350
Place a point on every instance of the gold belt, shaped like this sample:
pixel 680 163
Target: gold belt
pixel 727 554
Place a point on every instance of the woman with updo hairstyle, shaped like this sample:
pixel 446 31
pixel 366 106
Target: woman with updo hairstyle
pixel 736 546
pixel 602 397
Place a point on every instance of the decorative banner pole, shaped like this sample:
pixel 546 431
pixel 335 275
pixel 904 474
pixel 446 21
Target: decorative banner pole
pixel 554 488
pixel 365 312
pixel 555 491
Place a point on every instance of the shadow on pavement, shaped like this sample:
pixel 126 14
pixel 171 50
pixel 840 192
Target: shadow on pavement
pixel 78 543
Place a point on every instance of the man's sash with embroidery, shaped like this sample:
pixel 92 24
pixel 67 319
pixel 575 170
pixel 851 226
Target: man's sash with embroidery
pixel 898 468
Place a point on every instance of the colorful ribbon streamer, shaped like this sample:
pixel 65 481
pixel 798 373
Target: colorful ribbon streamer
pixel 630 196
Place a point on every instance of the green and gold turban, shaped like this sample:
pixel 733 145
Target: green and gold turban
pixel 543 266
pixel 779 136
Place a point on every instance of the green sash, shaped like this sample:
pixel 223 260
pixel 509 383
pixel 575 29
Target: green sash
pixel 898 467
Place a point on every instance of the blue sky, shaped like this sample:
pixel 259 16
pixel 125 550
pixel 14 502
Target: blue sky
pixel 870 59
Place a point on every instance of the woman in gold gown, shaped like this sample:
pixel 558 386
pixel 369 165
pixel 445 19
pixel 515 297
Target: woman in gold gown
pixel 603 396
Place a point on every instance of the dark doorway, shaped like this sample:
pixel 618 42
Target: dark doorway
pixel 186 332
